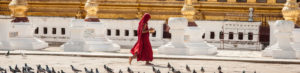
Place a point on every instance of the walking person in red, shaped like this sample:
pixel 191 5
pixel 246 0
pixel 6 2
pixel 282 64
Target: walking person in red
pixel 142 49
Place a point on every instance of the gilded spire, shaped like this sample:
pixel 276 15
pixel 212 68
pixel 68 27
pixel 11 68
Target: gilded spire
pixel 91 7
pixel 80 14
pixel 188 11
pixel 290 11
pixel 18 10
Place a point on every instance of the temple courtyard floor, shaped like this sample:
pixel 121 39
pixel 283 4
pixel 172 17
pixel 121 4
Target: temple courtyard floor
pixel 230 61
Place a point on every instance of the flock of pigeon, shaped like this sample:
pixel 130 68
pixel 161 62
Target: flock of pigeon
pixel 40 69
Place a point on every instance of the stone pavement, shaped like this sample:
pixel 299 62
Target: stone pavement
pixel 223 55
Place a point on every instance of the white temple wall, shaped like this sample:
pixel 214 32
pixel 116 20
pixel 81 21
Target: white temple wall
pixel 131 26
pixel 235 27
pixel 49 23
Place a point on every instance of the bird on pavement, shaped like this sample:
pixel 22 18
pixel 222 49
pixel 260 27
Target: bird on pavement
pixel 153 69
pixel 40 69
pixel 27 67
pixel 1 69
pixel 48 69
pixel 187 68
pixel 62 71
pixel 220 72
pixel 158 71
pixel 86 70
pixel 24 70
pixel 194 71
pixel 202 70
pixel 219 68
pixel 169 65
pixel 97 71
pixel 74 69
pixel 109 70
pixel 120 71
pixel 129 70
pixel 17 69
pixel 172 69
pixel 53 71
pixel 11 69
pixel 7 54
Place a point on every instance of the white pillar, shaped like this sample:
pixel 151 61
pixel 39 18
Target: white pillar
pixel 268 50
pixel 100 42
pixel 76 42
pixel 196 45
pixel 4 37
pixel 25 40
pixel 282 48
pixel 296 44
pixel 177 45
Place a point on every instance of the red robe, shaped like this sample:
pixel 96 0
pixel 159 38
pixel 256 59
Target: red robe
pixel 142 47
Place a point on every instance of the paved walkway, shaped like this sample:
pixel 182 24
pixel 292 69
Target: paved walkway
pixel 223 55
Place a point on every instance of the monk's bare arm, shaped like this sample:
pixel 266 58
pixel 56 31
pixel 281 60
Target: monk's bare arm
pixel 144 29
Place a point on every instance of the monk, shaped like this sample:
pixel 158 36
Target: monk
pixel 142 48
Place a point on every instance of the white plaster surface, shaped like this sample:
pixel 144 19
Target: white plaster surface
pixel 5 43
pixel 268 50
pixel 196 45
pixel 24 39
pixel 177 45
pixel 296 41
pixel 283 48
pixel 88 36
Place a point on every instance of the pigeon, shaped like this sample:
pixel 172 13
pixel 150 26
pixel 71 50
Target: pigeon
pixel 105 67
pixel 172 69
pixel 177 72
pixel 220 72
pixel 120 71
pixel 86 70
pixel 109 70
pixel 169 65
pixel 17 69
pixel 97 71
pixel 11 69
pixel 40 69
pixel 194 71
pixel 1 69
pixel 92 71
pixel 74 69
pixel 47 69
pixel 202 70
pixel 27 67
pixel 53 71
pixel 153 69
pixel 129 70
pixel 158 71
pixel 24 70
pixel 7 54
pixel 187 68
pixel 62 71
pixel 219 68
